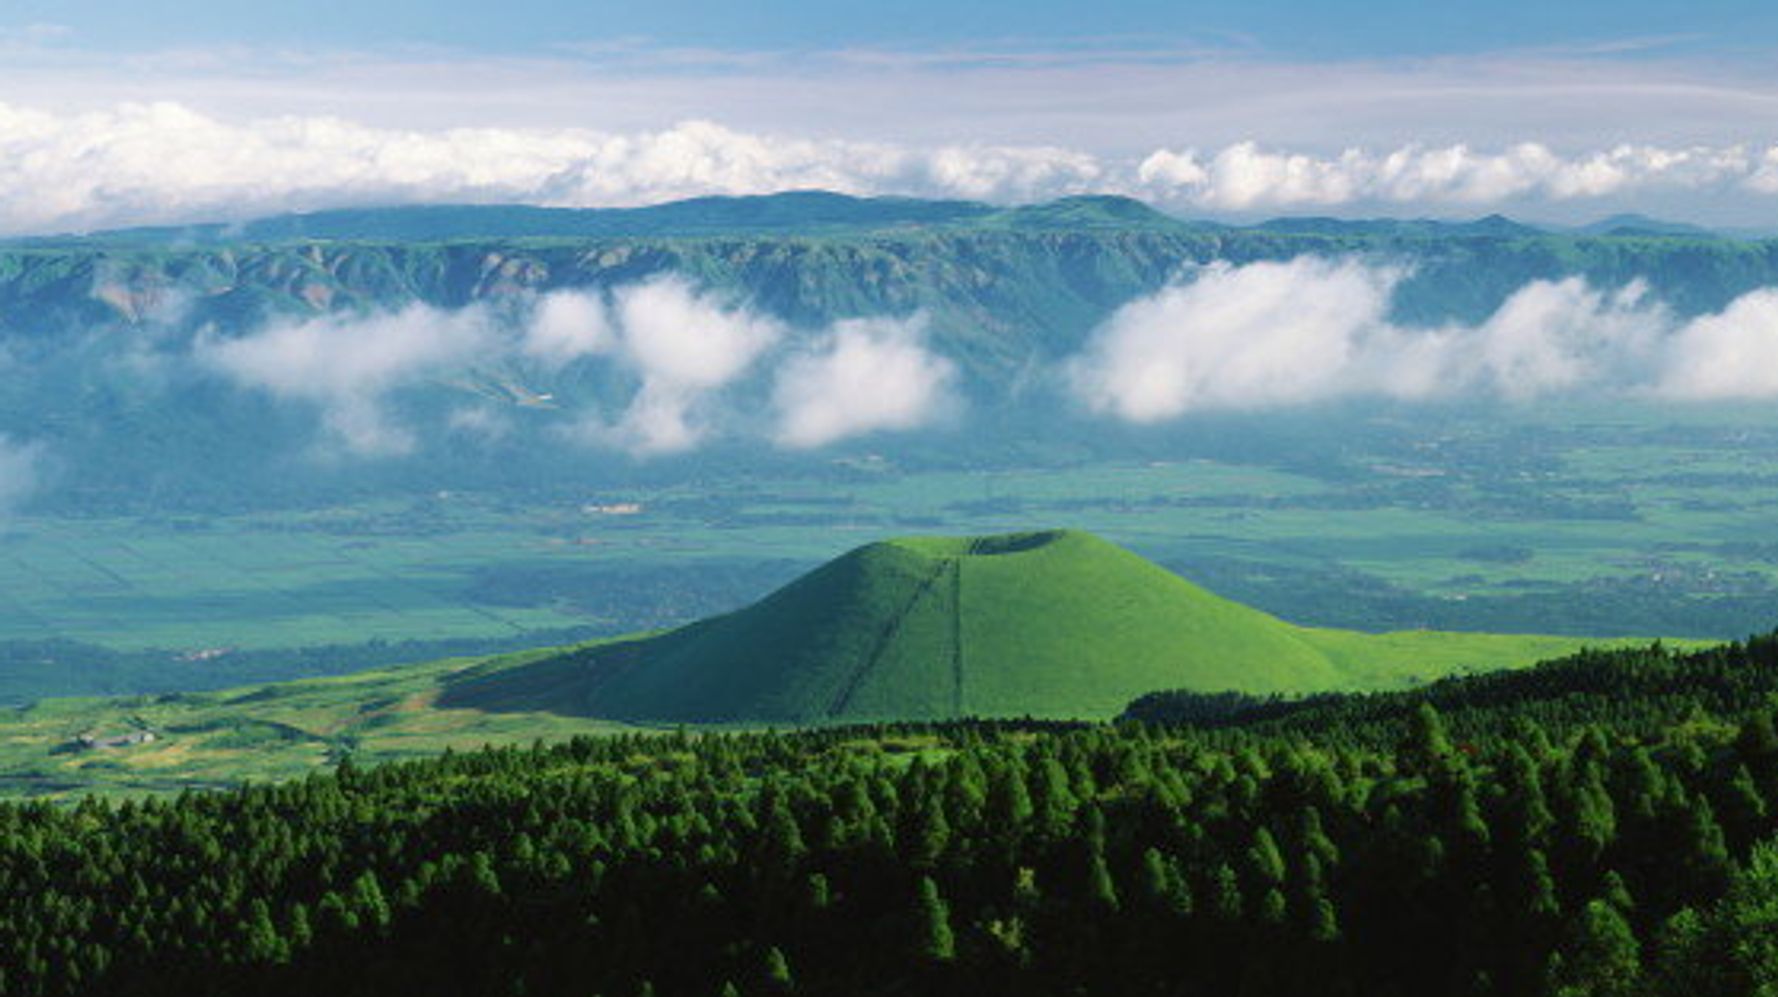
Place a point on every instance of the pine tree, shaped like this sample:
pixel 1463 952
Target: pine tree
pixel 933 940
pixel 1428 746
pixel 1601 957
pixel 1164 889
pixel 817 895
pixel 931 834
pixel 1225 894
pixel 1052 800
pixel 1009 805
pixel 1101 888
pixel 777 972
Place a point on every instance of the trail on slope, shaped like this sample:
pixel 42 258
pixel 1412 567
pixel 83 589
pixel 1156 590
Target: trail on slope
pixel 885 637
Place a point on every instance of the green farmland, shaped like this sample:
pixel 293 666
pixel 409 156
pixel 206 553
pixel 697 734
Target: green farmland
pixel 1643 523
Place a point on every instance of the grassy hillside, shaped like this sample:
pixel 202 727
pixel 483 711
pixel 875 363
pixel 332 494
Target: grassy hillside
pixel 260 733
pixel 1057 624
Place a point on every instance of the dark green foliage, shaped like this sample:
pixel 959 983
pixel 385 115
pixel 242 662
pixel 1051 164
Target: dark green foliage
pixel 1631 690
pixel 1478 837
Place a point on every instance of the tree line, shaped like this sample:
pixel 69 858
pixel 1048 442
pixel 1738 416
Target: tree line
pixel 1602 825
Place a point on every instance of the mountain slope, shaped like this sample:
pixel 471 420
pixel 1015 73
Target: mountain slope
pixel 1056 624
pixel 1005 294
pixel 1051 624
pixel 796 211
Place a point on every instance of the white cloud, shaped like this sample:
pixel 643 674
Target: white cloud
pixel 1246 177
pixel 867 375
pixel 684 344
pixel 1243 337
pixel 568 325
pixel 165 162
pixel 346 364
pixel 1269 335
pixel 481 422
pixel 168 162
pixel 681 344
pixel 1552 336
pixel 1729 355
pixel 677 334
pixel 20 472
pixel 1263 335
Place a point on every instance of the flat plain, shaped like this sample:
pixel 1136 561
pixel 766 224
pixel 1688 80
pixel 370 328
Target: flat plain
pixel 1634 522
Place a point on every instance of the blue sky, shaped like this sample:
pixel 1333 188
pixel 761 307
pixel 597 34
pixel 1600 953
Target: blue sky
pixel 1296 29
pixel 125 113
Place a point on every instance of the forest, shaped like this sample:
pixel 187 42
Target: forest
pixel 1600 825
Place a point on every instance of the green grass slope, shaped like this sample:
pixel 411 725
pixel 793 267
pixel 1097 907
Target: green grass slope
pixel 1057 624
pixel 263 733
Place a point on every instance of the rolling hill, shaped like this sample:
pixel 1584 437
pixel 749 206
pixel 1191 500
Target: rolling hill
pixel 1055 624
pixel 1052 624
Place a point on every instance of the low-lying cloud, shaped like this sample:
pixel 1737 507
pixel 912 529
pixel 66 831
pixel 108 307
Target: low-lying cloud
pixel 684 344
pixel 683 366
pixel 1244 176
pixel 166 162
pixel 866 376
pixel 1732 355
pixel 1271 335
pixel 1238 337
pixel 679 348
pixel 20 472
pixel 347 364
pixel 569 325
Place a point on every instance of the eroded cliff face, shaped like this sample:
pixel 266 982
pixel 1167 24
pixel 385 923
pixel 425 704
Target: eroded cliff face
pixel 1040 283
pixel 96 334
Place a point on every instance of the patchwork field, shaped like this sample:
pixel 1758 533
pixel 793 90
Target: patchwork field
pixel 159 744
pixel 264 733
pixel 1627 523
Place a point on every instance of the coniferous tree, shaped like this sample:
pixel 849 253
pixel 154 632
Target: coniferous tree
pixel 1601 957
pixel 933 940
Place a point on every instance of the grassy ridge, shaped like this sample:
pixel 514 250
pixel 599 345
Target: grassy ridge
pixel 261 733
pixel 1057 624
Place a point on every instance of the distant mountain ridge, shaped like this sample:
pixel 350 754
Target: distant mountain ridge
pixel 1005 294
pixel 1634 225
pixel 801 212
pixel 1489 227
pixel 696 216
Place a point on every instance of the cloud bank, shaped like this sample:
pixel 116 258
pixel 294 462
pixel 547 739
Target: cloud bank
pixel 1732 355
pixel 165 162
pixel 1245 176
pixel 692 367
pixel 868 375
pixel 680 349
pixel 684 344
pixel 20 472
pixel 1271 335
pixel 569 325
pixel 1238 337
pixel 347 365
